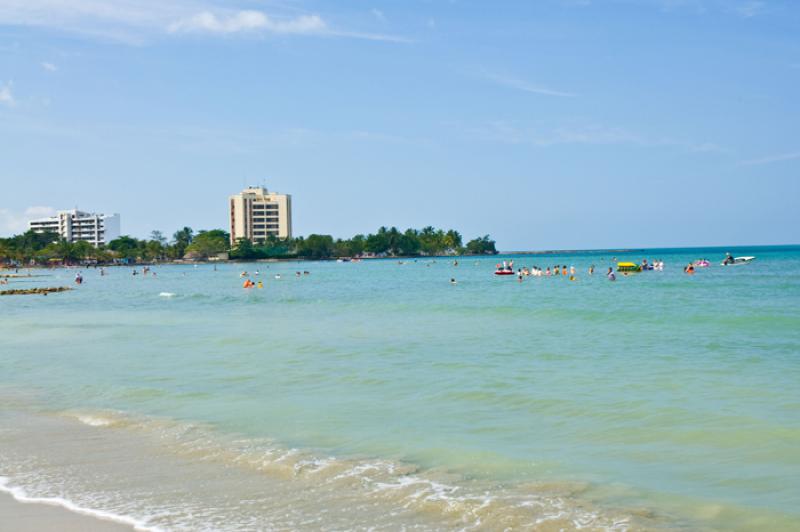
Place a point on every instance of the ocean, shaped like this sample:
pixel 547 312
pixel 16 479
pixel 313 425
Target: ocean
pixel 377 395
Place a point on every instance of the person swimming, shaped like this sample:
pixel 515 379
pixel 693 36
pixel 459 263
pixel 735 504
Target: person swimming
pixel 260 284
pixel 453 280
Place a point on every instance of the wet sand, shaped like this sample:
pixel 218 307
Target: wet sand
pixel 33 517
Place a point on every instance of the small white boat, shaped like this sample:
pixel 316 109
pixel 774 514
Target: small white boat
pixel 738 261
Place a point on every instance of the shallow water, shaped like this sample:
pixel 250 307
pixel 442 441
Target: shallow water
pixel 377 394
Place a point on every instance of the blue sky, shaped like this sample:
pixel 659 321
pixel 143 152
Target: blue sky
pixel 547 123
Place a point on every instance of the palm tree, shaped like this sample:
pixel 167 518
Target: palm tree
pixel 65 251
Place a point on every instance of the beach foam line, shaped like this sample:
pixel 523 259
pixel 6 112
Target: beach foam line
pixel 21 496
pixel 94 421
pixel 402 486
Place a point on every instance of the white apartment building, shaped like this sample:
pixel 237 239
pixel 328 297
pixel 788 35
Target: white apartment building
pixel 257 214
pixel 75 225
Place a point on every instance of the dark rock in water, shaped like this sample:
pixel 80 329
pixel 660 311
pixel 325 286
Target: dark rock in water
pixel 24 291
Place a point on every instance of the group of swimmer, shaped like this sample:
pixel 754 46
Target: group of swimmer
pixel 145 271
pixel 657 265
pixel 689 269
pixel 507 268
pixel 248 283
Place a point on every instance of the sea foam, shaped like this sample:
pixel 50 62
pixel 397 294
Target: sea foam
pixel 20 495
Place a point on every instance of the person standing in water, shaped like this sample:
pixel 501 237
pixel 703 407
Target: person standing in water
pixel 611 276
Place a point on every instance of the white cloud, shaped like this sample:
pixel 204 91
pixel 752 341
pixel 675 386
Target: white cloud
pixel 13 222
pixel 248 21
pixel 139 21
pixel 6 97
pixel 378 14
pixel 772 159
pixel 525 86
pixel 50 67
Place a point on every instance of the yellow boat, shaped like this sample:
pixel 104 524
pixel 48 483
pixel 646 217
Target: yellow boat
pixel 628 267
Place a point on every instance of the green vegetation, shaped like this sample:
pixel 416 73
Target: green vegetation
pixel 48 248
pixel 388 242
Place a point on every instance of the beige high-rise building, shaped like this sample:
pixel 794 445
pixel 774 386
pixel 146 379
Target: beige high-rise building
pixel 257 214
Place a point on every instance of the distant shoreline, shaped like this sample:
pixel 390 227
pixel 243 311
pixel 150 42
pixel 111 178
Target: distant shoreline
pixel 721 249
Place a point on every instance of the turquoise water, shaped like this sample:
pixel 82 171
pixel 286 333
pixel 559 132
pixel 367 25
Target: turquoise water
pixel 658 401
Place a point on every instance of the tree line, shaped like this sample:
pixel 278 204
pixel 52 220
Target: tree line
pixel 43 248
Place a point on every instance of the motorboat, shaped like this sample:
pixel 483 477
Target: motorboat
pixel 737 261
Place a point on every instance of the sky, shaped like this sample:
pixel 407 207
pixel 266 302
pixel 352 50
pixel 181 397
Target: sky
pixel 548 124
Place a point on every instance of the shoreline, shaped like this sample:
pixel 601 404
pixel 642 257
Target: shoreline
pixel 4 268
pixel 35 516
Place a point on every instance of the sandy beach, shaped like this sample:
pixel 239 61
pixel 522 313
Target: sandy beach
pixel 33 517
